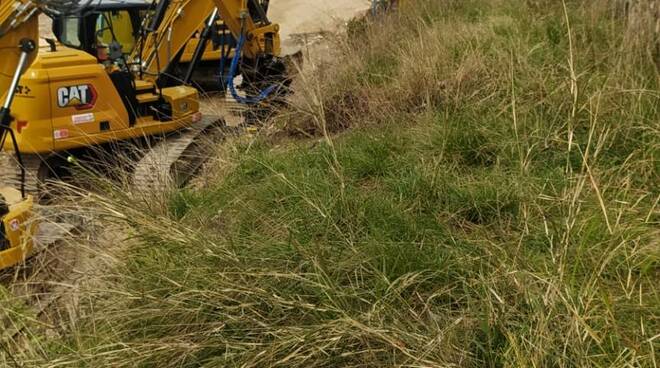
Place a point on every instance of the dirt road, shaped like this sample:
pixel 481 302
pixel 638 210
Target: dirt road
pixel 308 16
pixel 312 16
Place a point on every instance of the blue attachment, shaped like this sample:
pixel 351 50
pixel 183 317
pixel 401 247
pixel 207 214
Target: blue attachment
pixel 232 74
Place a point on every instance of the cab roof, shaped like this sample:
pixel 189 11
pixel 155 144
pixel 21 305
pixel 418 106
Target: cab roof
pixel 104 5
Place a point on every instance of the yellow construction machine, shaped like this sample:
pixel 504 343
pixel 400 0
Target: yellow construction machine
pixel 101 27
pixel 249 43
pixel 61 99
pixel 68 100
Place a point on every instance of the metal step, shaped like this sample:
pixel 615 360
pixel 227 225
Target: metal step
pixel 146 98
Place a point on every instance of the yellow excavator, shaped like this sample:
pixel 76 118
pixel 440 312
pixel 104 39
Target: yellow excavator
pixel 114 23
pixel 83 102
pixel 61 99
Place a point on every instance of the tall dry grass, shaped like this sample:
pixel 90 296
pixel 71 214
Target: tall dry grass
pixel 480 190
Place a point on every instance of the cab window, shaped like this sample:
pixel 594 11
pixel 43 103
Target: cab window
pixel 119 25
pixel 69 29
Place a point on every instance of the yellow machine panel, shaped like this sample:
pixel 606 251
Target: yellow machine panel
pixel 18 228
pixel 10 52
pixel 67 100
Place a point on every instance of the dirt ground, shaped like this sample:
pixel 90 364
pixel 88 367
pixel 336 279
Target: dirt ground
pixel 302 16
pixel 312 16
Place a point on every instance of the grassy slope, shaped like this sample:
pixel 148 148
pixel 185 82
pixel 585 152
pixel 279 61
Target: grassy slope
pixel 492 204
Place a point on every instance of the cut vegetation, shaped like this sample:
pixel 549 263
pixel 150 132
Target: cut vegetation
pixel 464 184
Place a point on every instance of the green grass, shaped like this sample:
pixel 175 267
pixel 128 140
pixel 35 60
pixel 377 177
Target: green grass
pixel 492 204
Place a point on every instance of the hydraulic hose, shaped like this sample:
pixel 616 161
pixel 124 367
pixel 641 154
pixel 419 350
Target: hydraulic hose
pixel 232 74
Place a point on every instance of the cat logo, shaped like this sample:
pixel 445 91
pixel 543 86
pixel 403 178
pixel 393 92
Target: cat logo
pixel 82 97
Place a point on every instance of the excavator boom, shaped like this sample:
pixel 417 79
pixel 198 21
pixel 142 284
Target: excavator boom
pixel 176 21
pixel 18 21
pixel 14 13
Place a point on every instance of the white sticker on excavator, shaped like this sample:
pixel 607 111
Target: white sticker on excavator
pixel 14 225
pixel 61 134
pixel 83 118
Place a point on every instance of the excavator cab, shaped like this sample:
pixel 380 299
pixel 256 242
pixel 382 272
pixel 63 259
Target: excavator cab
pixel 106 29
pixel 110 30
pixel 117 26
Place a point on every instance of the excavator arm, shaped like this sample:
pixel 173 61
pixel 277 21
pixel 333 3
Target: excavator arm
pixel 19 34
pixel 18 26
pixel 19 30
pixel 167 31
pixel 174 22
pixel 262 37
pixel 15 13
